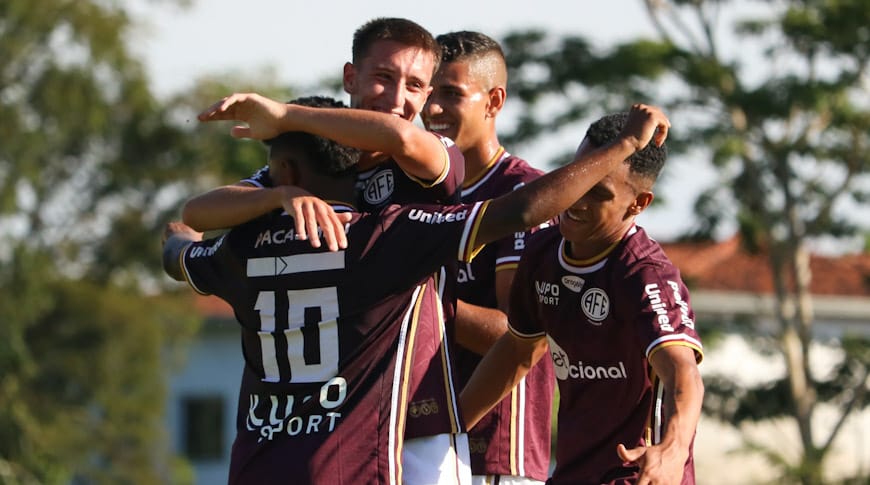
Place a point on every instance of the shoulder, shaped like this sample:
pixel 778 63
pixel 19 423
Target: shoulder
pixel 642 253
pixel 519 171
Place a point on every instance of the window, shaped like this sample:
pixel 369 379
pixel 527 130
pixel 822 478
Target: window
pixel 203 427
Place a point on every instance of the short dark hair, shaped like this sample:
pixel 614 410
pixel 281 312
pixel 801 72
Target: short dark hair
pixel 399 30
pixel 329 157
pixel 459 45
pixel 646 163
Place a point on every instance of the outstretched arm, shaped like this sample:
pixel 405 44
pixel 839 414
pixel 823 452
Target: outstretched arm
pixel 232 205
pixel 663 464
pixel 545 197
pixel 418 152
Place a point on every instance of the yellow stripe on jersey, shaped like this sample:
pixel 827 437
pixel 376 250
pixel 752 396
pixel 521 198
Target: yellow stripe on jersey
pixel 444 170
pixel 445 361
pixel 472 247
pixel 699 352
pixel 469 181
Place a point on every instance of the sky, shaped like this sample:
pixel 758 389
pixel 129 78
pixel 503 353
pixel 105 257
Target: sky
pixel 303 42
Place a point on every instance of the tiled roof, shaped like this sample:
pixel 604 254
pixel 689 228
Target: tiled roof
pixel 715 266
pixel 726 266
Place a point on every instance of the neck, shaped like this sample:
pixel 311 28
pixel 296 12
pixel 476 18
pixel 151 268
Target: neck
pixel 480 156
pixel 594 249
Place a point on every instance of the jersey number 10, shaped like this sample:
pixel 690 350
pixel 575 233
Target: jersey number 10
pixel 311 336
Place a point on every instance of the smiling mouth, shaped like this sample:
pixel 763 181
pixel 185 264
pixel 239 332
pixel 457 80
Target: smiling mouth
pixel 439 126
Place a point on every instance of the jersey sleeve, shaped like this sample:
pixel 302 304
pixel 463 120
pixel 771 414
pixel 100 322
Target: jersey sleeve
pixel 260 178
pixel 509 249
pixel 452 172
pixel 207 266
pixel 664 316
pixel 522 320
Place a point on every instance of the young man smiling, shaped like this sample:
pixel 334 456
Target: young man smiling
pixel 511 444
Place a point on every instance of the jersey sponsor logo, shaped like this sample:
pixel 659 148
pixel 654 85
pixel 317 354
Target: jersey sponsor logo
pixel 379 187
pixel 465 274
pixel 573 283
pixel 436 217
pixel 658 305
pixel 596 305
pixel 548 293
pixel 203 251
pixel 426 407
pixel 275 417
pixel 564 369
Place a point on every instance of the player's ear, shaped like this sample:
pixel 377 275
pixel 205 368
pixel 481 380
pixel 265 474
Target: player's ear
pixel 349 78
pixel 641 202
pixel 497 96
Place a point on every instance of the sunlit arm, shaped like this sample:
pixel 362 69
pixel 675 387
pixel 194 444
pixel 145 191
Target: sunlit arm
pixel 684 390
pixel 506 363
pixel 231 205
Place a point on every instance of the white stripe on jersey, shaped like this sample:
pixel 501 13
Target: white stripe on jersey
pixel 298 263
pixel 657 413
pixel 397 374
pixel 466 233
pixel 675 336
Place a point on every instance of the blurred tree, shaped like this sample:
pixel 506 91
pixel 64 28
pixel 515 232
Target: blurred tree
pixel 91 166
pixel 779 104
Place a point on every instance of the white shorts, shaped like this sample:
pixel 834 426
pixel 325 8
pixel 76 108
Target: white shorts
pixel 503 480
pixel 442 459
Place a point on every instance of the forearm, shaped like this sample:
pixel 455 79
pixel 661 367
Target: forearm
pixel 477 327
pixel 683 408
pixel 229 206
pixel 507 362
pixel 417 152
pixel 545 197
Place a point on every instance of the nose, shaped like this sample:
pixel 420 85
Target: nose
pixel 432 106
pixel 394 93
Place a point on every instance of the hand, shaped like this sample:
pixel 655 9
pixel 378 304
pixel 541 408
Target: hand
pixel 179 228
pixel 310 212
pixel 659 465
pixel 646 123
pixel 263 115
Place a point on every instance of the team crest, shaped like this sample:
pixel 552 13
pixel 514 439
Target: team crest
pixel 596 305
pixel 379 187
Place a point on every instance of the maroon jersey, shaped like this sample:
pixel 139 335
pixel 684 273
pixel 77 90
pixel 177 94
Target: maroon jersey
pixel 387 184
pixel 603 319
pixel 514 437
pixel 329 339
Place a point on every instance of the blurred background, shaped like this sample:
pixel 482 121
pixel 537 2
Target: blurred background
pixel 112 373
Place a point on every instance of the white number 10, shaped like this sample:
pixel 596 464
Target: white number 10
pixel 312 335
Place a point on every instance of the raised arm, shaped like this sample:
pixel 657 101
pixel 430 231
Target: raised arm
pixel 663 464
pixel 547 196
pixel 418 152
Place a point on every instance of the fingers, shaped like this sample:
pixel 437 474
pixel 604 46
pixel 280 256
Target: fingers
pixel 315 218
pixel 631 455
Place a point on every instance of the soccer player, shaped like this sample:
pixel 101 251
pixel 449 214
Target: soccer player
pixel 326 335
pixel 620 329
pixel 393 62
pixel 511 444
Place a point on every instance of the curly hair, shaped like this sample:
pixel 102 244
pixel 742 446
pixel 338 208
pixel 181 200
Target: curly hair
pixel 330 158
pixel 646 163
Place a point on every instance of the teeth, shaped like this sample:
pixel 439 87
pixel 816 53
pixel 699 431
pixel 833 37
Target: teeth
pixel 438 126
pixel 572 216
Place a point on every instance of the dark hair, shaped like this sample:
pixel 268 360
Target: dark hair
pixel 459 45
pixel 399 30
pixel 646 163
pixel 329 157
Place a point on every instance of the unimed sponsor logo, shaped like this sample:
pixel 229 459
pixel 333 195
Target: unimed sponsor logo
pixel 565 369
pixel 436 217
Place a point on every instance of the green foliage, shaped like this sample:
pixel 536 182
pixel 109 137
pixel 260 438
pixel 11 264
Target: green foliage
pixel 778 106
pixel 91 166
